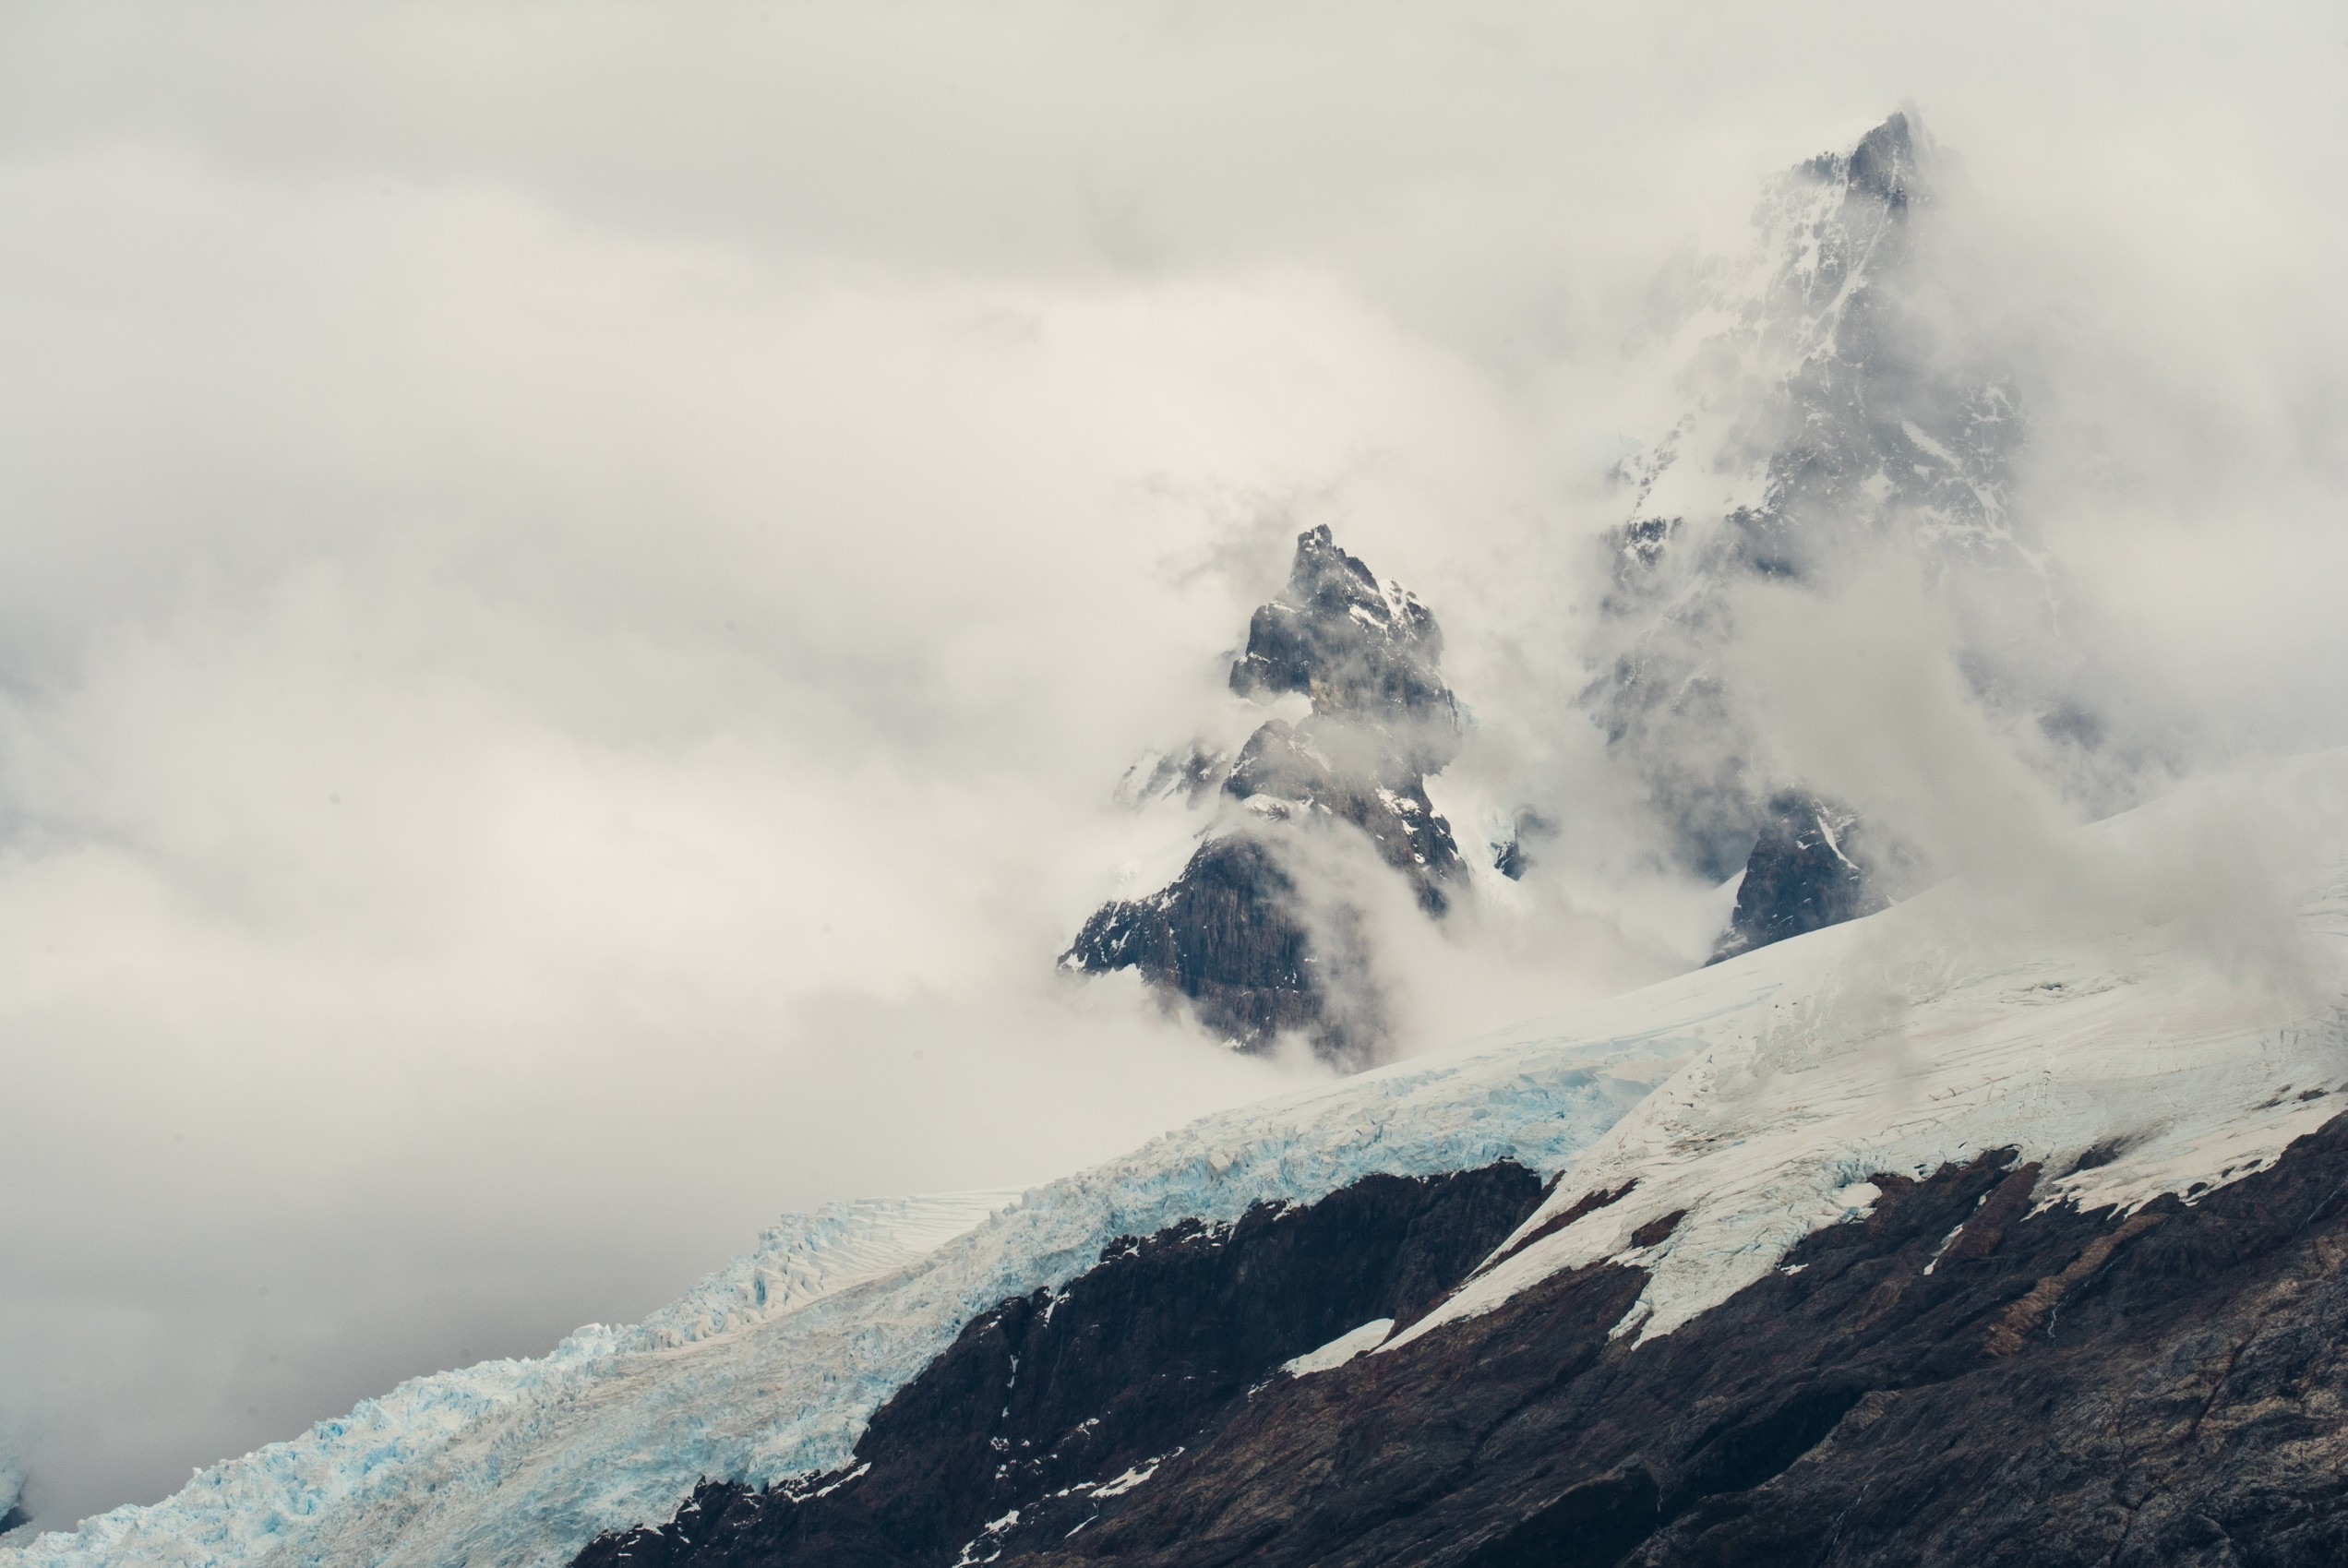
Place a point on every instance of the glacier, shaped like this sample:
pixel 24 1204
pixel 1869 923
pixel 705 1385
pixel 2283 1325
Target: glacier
pixel 2164 991
pixel 767 1371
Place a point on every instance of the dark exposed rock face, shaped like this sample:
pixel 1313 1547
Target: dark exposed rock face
pixel 1043 1400
pixel 1304 768
pixel 1807 871
pixel 1514 856
pixel 1223 934
pixel 1254 951
pixel 1953 1379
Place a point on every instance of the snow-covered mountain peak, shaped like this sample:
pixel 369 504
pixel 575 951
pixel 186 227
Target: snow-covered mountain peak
pixel 1824 406
pixel 1823 222
pixel 1832 424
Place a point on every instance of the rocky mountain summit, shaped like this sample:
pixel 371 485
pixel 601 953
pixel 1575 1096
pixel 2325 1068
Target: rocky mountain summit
pixel 1259 935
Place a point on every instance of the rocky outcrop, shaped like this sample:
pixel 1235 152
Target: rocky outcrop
pixel 1224 935
pixel 1248 935
pixel 1808 870
pixel 1957 1379
pixel 1365 652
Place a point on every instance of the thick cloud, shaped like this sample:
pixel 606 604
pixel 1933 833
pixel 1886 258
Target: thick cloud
pixel 578 579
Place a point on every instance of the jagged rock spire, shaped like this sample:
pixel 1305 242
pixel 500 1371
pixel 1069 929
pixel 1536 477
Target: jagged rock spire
pixel 1248 935
pixel 1359 650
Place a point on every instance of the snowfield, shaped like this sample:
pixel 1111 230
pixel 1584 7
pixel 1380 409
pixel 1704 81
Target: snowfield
pixel 2166 989
pixel 2171 995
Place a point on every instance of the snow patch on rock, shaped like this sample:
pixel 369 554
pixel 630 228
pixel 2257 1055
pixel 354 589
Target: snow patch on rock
pixel 1340 1350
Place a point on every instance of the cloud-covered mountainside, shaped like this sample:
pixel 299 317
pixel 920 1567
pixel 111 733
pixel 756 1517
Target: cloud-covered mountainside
pixel 1838 413
pixel 2131 1043
pixel 1837 421
pixel 1903 1126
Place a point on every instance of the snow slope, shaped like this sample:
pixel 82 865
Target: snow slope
pixel 2166 988
pixel 2171 993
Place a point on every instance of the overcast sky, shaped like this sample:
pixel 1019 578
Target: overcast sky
pixel 577 577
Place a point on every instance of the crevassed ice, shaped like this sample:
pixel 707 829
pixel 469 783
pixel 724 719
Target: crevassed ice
pixel 274 1505
pixel 770 1367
